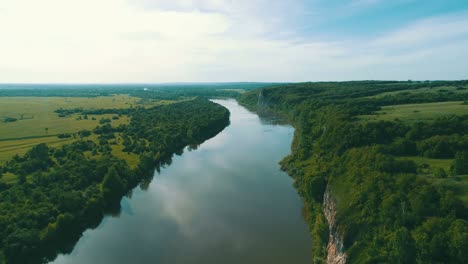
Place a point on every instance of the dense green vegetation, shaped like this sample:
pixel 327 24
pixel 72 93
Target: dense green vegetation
pixel 43 113
pixel 59 192
pixel 397 173
pixel 390 209
pixel 417 112
pixel 153 91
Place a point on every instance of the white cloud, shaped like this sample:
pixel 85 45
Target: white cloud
pixel 188 5
pixel 83 40
pixel 427 31
pixel 210 40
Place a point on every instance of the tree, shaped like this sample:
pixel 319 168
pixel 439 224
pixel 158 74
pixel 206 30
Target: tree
pixel 460 164
pixel 20 245
pixel 403 146
pixel 39 152
pixel 112 184
pixel 84 133
pixel 459 240
pixel 402 248
pixel 22 178
pixel 440 173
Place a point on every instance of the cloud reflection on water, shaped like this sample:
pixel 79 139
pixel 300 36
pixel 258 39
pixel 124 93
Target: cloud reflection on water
pixel 226 202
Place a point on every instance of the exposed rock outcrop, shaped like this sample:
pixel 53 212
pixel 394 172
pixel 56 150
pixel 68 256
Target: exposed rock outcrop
pixel 262 101
pixel 335 253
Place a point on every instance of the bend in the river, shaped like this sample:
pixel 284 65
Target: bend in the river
pixel 226 202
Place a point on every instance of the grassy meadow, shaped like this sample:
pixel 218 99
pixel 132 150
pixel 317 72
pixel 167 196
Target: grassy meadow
pixel 410 113
pixel 38 123
pixel 8 148
pixel 424 112
pixel 36 116
pixel 458 183
pixel 417 112
pixel 438 89
pixel 432 163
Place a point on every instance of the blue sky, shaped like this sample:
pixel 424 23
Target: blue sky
pixel 369 17
pixel 101 41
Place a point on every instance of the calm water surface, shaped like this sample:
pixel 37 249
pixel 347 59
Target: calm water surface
pixel 226 202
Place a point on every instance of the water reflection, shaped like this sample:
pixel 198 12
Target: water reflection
pixel 226 202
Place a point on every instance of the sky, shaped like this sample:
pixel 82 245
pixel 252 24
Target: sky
pixel 157 41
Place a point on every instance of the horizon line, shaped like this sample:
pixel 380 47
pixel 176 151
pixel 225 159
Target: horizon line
pixel 224 82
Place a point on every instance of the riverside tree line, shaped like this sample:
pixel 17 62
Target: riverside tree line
pixel 60 192
pixel 387 210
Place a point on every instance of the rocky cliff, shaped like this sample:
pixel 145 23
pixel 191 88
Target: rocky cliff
pixel 335 254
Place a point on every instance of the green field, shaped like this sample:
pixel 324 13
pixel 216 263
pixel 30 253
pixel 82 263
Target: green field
pixel 9 148
pixel 433 163
pixel 417 112
pixel 438 89
pixel 426 112
pixel 8 178
pixel 131 158
pixel 241 91
pixel 38 123
pixel 36 114
pixel 458 183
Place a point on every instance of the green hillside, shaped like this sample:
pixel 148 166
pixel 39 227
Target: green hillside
pixel 392 155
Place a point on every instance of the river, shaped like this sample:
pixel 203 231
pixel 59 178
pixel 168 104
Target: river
pixel 225 202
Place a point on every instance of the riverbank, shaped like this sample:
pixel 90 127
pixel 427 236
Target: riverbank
pixel 366 200
pixel 73 186
pixel 226 201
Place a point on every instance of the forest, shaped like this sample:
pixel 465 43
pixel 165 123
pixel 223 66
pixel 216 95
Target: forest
pixel 393 157
pixel 62 191
pixel 153 91
pixel 389 207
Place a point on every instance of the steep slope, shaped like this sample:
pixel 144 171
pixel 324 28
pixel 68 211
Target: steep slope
pixel 367 200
